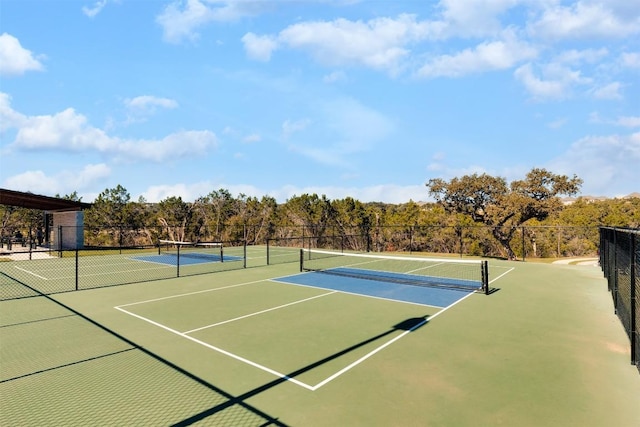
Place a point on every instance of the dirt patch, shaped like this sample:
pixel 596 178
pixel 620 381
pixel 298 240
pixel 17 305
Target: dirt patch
pixel 617 348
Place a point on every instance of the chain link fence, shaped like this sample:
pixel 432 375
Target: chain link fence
pixel 620 261
pixel 73 258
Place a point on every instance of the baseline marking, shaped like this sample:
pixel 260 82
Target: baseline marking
pixel 368 355
pixel 191 293
pixel 269 370
pixel 506 272
pixel 32 273
pixel 219 350
pixel 259 312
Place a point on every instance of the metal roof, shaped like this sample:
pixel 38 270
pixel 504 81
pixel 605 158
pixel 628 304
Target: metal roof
pixel 35 201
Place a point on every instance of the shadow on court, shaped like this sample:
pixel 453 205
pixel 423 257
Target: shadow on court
pixel 80 357
pixel 114 368
pixel 408 325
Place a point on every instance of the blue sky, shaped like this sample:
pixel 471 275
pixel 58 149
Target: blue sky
pixel 367 99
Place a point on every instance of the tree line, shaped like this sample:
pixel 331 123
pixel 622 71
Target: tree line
pixel 472 215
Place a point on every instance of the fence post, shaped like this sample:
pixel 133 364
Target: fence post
pixel 268 240
pixel 60 241
pixel 524 251
pixel 301 259
pixel 77 272
pixel 178 261
pixel 634 320
pixel 614 290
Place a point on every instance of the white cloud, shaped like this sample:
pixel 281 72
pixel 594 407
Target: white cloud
pixel 609 91
pixel 603 162
pixel 180 23
pixel 387 193
pixel 96 9
pixel 335 76
pixel 380 43
pixel 254 137
pixel 9 118
pixel 14 59
pixel 188 192
pixel 147 105
pixel 629 121
pixel 34 181
pixel 191 192
pixel 290 127
pixel 64 130
pixel 556 81
pixel 69 131
pixel 575 57
pixel 584 19
pixel 537 87
pixel 557 124
pixel 63 182
pixel 346 127
pixel 181 20
pixel 623 121
pixel 487 56
pixel 178 144
pixel 474 18
pixel 630 59
pixel 259 47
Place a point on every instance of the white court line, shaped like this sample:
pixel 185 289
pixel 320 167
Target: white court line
pixel 355 294
pixel 191 293
pixel 426 267
pixel 219 350
pixel 109 273
pixel 388 343
pixel 366 356
pixel 259 312
pixel 32 273
pixel 272 371
pixel 506 272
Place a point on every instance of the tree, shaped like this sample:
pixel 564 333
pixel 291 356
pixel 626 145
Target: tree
pixel 353 220
pixel 218 207
pixel 175 216
pixel 488 200
pixel 73 196
pixel 114 213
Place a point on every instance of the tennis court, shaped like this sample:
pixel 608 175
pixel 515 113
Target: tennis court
pixel 273 345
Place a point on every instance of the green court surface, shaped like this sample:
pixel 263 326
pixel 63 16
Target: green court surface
pixel 241 348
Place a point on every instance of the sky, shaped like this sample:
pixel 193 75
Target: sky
pixel 343 98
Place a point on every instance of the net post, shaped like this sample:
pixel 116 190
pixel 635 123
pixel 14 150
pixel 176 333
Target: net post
pixel 221 253
pixel 301 260
pixel 178 261
pixel 244 254
pixel 268 239
pixel 485 277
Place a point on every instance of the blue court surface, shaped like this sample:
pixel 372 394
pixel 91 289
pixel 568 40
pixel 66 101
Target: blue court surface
pixel 437 297
pixel 169 259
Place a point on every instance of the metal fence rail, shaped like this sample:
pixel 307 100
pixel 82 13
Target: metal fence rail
pixel 531 241
pixel 620 262
pixel 58 271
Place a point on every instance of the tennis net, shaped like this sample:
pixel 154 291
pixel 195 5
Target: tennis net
pixel 211 251
pixel 468 275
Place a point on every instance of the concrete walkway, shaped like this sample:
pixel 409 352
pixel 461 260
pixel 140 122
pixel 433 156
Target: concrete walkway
pixel 38 253
pixel 578 261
